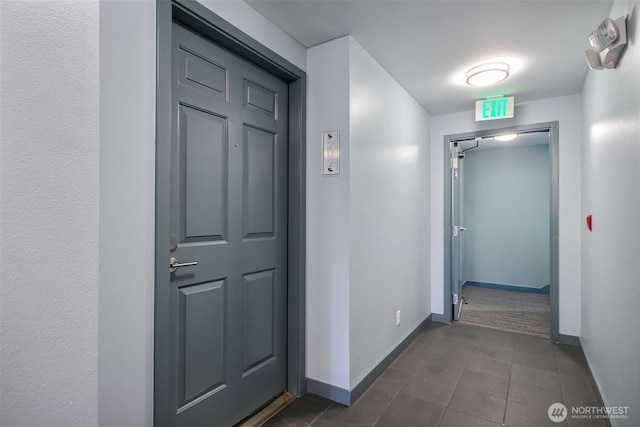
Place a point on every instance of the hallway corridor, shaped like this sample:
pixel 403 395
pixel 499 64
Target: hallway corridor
pixel 462 375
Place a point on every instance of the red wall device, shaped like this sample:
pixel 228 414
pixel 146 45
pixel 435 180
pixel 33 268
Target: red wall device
pixel 589 222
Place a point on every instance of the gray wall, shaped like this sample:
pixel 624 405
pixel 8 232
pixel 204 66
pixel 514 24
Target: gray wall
pixel 611 174
pixel 506 203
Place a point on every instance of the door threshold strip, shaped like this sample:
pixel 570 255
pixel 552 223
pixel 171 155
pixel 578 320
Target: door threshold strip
pixel 264 415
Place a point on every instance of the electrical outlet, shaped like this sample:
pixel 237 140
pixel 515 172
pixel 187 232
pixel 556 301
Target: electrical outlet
pixel 398 316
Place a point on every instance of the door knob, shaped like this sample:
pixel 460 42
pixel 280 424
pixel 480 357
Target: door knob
pixel 463 228
pixel 174 264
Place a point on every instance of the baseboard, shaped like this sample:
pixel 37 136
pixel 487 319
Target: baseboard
pixel 568 340
pixel 348 398
pixel 595 387
pixel 440 318
pixel 329 391
pixel 543 290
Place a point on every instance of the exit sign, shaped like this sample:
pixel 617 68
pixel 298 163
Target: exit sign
pixel 494 108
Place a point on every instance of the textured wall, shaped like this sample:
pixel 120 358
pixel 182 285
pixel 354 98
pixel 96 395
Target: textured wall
pixel 610 287
pixel 49 218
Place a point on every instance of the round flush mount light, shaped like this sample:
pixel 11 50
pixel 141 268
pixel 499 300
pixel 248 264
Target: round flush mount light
pixel 507 137
pixel 487 74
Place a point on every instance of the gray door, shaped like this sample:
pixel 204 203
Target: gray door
pixel 228 207
pixel 457 231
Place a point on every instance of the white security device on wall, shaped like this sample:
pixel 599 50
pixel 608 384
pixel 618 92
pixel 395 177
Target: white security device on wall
pixel 608 42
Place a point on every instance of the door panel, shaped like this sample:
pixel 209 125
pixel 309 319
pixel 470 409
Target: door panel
pixel 456 243
pixel 260 99
pixel 229 214
pixel 204 150
pixel 259 192
pixel 201 73
pixel 259 334
pixel 202 345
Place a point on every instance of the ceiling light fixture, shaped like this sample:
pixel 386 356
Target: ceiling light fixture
pixel 487 74
pixel 507 137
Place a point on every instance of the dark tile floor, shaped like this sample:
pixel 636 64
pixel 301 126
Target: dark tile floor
pixel 462 376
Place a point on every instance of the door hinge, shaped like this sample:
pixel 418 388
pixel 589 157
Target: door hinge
pixel 455 299
pixel 453 163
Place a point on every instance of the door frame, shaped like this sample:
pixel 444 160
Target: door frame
pixel 553 129
pixel 200 19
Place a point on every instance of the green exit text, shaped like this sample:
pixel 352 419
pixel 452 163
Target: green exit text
pixel 494 108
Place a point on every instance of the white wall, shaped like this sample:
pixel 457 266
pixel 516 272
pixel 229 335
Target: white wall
pixel 388 235
pixel 610 274
pixel 49 225
pixel 506 199
pixel 127 182
pixel 566 110
pixel 366 257
pixel 367 234
pixel 328 216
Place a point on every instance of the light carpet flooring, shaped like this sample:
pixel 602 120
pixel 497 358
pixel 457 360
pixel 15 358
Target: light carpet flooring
pixel 506 310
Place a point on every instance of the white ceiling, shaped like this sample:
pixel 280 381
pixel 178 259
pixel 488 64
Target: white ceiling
pixel 423 44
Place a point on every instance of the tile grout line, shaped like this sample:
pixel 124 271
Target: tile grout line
pixel 411 375
pixel 562 397
pixel 321 413
pixel 506 401
pixel 454 390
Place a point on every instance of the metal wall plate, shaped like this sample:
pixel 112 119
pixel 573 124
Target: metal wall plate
pixel 331 153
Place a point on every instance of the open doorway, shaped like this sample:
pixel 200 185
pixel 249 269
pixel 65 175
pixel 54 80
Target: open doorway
pixel 502 214
pixel 504 232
